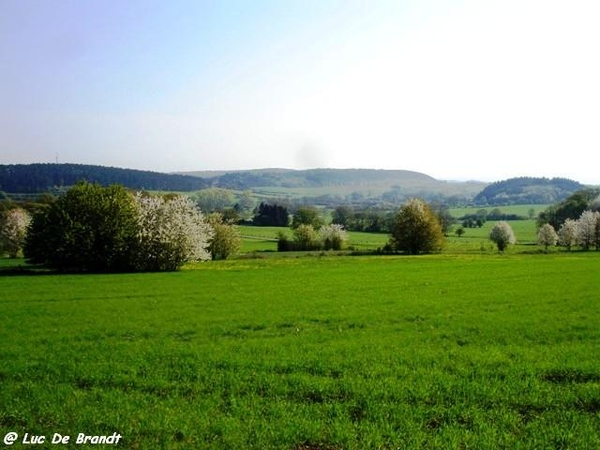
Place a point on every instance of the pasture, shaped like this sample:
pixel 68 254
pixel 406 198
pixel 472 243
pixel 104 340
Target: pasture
pixel 479 351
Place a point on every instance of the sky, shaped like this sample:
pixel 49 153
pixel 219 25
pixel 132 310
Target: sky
pixel 457 89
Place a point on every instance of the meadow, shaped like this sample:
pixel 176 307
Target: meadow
pixel 463 350
pixel 257 240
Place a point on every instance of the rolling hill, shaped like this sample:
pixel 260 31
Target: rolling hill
pixel 320 186
pixel 527 190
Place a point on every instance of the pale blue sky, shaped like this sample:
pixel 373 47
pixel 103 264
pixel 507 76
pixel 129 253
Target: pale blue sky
pixel 471 89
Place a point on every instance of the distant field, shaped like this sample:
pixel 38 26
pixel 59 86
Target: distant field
pixel 445 351
pixel 521 210
pixel 264 238
pixel 257 239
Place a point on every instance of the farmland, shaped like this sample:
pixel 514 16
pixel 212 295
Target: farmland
pixel 456 350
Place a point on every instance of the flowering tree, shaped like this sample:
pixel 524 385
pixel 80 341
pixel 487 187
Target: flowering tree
pixel 567 235
pixel 588 229
pixel 502 235
pixel 333 236
pixel 13 230
pixel 547 236
pixel 170 232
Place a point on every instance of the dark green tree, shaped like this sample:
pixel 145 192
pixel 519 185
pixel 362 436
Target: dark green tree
pixel 271 215
pixel 90 228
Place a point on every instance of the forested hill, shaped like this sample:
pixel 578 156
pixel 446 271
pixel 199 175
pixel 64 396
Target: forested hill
pixel 527 190
pixel 311 178
pixel 34 178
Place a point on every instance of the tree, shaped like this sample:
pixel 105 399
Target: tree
pixel 89 228
pixel 547 236
pixel 567 235
pixel 415 229
pixel 307 215
pixel 460 231
pixel 444 217
pixel 226 240
pixel 587 229
pixel 342 215
pixel 214 199
pixel 170 232
pixel 306 238
pixel 245 204
pixel 333 236
pixel 502 235
pixel 13 230
pixel 274 215
pixel 570 208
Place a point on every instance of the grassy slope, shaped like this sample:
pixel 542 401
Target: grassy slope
pixel 378 352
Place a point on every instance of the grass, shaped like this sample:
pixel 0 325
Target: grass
pixel 521 210
pixel 264 239
pixel 444 351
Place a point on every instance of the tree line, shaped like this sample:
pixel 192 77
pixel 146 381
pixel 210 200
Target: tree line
pixel 37 178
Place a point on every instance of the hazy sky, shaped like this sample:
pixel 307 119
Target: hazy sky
pixel 456 89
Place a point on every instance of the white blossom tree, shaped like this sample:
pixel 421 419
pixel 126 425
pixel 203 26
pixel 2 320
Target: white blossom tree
pixel 567 234
pixel 13 230
pixel 547 236
pixel 171 232
pixel 587 229
pixel 502 235
pixel 333 236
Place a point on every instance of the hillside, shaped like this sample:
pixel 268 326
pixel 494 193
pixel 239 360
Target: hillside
pixel 357 183
pixel 35 178
pixel 527 190
pixel 316 184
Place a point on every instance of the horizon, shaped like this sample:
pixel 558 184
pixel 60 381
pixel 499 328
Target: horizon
pixel 267 169
pixel 460 90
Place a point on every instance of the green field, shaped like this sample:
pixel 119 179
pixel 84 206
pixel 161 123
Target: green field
pixel 257 239
pixel 475 240
pixel 479 351
pixel 521 210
